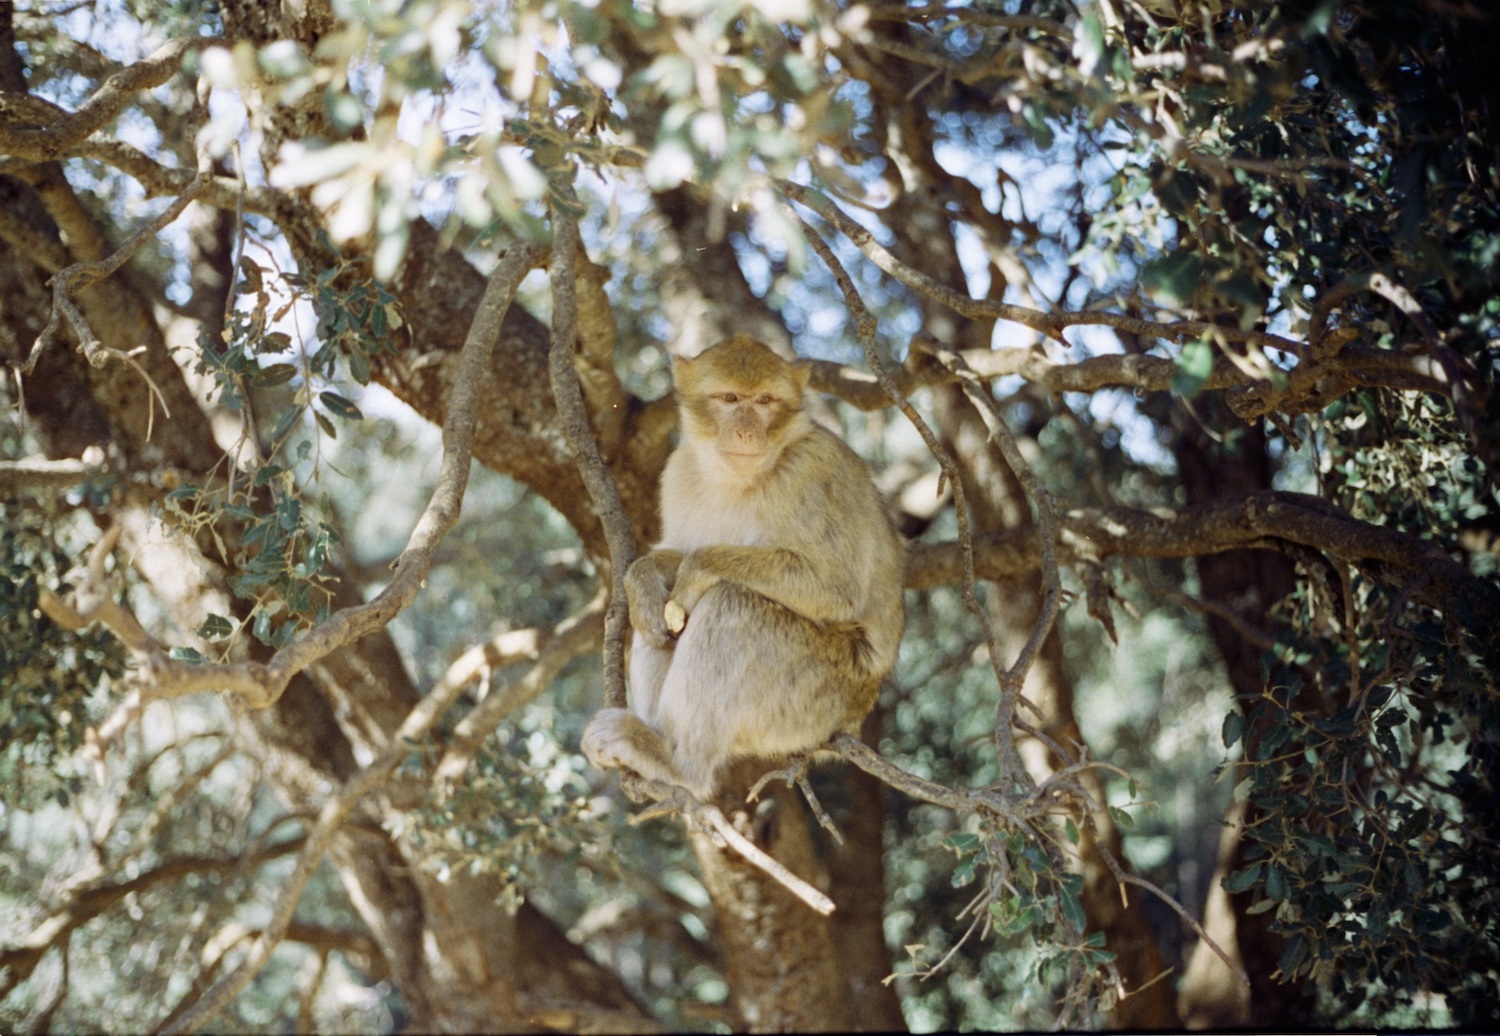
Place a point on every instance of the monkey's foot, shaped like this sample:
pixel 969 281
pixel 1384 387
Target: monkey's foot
pixel 795 773
pixel 605 741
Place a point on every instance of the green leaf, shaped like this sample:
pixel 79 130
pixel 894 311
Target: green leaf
pixel 1194 365
pixel 1173 278
pixel 276 374
pixel 1121 818
pixel 1292 955
pixel 1068 887
pixel 285 425
pixel 1234 729
pixel 339 406
pixel 1071 830
pixel 215 627
pixel 1242 879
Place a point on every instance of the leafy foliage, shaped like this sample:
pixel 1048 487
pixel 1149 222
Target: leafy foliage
pixel 50 672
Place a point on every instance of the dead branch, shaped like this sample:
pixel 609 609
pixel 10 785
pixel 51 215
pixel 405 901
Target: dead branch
pixel 1013 678
pixel 669 798
pixel 72 279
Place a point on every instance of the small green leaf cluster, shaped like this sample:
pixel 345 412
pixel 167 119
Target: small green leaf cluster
pixel 508 817
pixel 1024 895
pixel 276 548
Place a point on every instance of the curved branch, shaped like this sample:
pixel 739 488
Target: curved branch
pixel 85 904
pixel 1265 519
pixel 49 143
pixel 80 275
pixel 261 684
pixel 566 390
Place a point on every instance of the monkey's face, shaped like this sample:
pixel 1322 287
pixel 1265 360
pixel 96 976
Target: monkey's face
pixel 749 427
pixel 741 406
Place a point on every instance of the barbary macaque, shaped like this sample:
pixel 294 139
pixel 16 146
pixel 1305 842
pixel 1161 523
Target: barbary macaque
pixel 771 610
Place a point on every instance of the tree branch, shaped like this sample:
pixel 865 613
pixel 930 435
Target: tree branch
pixel 261 684
pixel 85 904
pixel 1049 324
pixel 552 650
pixel 1265 519
pixel 49 143
pixel 618 531
pixel 330 818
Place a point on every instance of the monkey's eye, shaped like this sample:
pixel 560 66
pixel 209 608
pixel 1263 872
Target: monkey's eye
pixel 765 399
pixel 727 397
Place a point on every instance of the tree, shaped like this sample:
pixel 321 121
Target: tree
pixel 1192 308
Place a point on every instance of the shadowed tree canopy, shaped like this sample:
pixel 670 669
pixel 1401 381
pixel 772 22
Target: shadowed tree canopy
pixel 334 337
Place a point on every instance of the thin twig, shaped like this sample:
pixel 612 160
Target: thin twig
pixel 72 279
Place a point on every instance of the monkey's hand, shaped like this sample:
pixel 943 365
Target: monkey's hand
pixel 646 591
pixel 694 579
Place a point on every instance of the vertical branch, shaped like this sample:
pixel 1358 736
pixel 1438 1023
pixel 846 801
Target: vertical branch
pixel 618 532
pixel 1013 679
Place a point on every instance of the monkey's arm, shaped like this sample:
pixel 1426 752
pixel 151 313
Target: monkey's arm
pixel 785 576
pixel 648 584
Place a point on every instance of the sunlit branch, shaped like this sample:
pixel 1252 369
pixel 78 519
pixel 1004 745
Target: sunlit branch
pixel 551 651
pixel 669 798
pixel 85 904
pixel 261 684
pixel 35 473
pixel 568 393
pixel 1050 324
pixel 53 141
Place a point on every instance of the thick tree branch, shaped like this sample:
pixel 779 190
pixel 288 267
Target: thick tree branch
pixel 54 141
pixel 1266 519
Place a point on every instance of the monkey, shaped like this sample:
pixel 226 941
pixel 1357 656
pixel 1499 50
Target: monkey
pixel 770 611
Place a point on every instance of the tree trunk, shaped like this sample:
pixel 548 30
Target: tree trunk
pixel 782 967
pixel 1246 584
